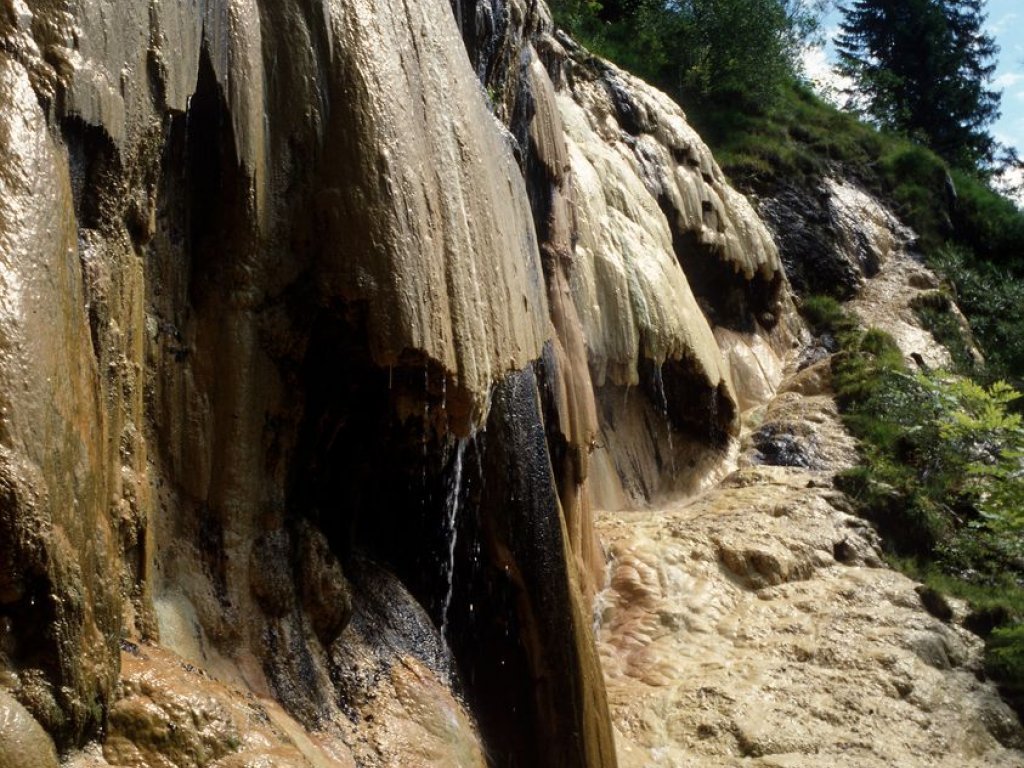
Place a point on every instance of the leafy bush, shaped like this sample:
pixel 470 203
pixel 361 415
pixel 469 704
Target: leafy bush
pixel 991 297
pixel 942 475
pixel 1004 662
pixel 988 225
pixel 736 52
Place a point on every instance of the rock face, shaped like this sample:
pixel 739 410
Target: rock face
pixel 832 236
pixel 287 286
pixel 23 742
pixel 325 328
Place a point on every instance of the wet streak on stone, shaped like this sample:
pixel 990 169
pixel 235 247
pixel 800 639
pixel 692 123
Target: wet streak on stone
pixel 682 393
pixel 361 474
pixel 519 652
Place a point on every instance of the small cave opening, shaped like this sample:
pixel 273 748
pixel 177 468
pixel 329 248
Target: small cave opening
pixel 219 217
pixel 664 435
pixel 196 256
pixel 96 172
pixel 35 619
pixel 374 459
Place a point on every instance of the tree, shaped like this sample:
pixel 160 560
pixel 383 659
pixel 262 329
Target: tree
pixel 733 52
pixel 742 49
pixel 923 67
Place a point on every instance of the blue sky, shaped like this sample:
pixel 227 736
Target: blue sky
pixel 1006 24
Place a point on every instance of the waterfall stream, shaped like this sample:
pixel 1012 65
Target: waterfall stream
pixel 452 530
pixel 662 405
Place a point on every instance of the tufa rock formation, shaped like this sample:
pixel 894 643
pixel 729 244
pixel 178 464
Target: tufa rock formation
pixel 326 329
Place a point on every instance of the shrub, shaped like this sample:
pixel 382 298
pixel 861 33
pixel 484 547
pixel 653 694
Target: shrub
pixel 942 476
pixel 1004 662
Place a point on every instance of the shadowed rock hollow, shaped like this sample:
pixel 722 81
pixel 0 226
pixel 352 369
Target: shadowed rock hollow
pixel 325 328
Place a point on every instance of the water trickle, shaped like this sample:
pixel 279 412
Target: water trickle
pixel 452 530
pixel 662 405
pixel 603 600
pixel 475 549
pixel 712 415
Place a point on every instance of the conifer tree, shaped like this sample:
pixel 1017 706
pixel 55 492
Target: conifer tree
pixel 923 67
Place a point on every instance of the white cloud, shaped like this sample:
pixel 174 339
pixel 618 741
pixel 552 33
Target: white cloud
pixel 826 81
pixel 1011 184
pixel 1002 24
pixel 1008 79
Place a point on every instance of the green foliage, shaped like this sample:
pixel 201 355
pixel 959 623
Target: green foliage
pixel 824 314
pixel 988 224
pixel 936 311
pixel 793 138
pixel 735 52
pixel 922 67
pixel 979 434
pixel 1004 662
pixel 991 297
pixel 914 179
pixel 947 450
pixel 942 475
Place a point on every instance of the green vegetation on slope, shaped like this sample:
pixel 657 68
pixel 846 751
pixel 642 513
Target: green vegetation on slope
pixel 735 52
pixel 970 234
pixel 940 477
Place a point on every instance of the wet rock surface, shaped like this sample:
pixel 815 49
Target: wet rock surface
pixel 291 289
pixel 887 303
pixel 804 226
pixel 171 713
pixel 23 742
pixel 832 236
pixel 395 678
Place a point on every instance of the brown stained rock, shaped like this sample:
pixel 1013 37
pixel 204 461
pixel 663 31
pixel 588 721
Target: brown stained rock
pixel 23 742
pixel 270 574
pixel 171 714
pixel 392 673
pixel 323 589
pixel 58 473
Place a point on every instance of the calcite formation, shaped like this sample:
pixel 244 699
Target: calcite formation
pixel 325 329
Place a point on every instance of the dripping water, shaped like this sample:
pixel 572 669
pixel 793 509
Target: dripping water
pixel 659 385
pixel 713 414
pixel 452 529
pixel 478 449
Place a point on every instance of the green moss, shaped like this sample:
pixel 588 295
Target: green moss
pixel 824 314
